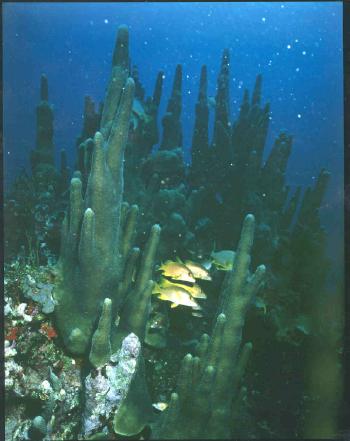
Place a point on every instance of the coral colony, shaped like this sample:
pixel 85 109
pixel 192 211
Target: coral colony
pixel 151 299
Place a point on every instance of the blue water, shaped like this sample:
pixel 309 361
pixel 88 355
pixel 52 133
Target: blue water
pixel 296 46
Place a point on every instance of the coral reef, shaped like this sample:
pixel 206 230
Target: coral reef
pixel 42 383
pixel 34 205
pixel 172 131
pixel 202 406
pixel 44 150
pixel 98 233
pixel 88 349
pixel 102 242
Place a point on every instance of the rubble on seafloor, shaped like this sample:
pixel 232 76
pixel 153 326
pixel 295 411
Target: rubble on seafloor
pixel 42 384
pixel 107 386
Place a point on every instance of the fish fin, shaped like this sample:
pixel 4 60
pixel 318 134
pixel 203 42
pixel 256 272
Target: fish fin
pixel 162 297
pixel 201 295
pixel 174 305
pixel 179 260
pixel 156 289
pixel 207 264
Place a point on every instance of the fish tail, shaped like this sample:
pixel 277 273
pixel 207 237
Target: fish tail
pixel 156 289
pixel 196 307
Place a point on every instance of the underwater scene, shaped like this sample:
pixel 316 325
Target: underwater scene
pixel 173 220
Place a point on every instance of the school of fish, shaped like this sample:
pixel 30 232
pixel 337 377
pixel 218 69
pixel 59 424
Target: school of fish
pixel 177 283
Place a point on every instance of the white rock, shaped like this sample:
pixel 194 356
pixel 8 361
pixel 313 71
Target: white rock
pixel 45 386
pixel 21 308
pixel 7 309
pixel 8 383
pixel 104 392
pixel 10 352
pixel 30 280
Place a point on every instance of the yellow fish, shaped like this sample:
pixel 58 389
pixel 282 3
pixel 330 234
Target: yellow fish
pixel 177 271
pixel 160 406
pixel 198 271
pixel 223 260
pixel 195 290
pixel 176 295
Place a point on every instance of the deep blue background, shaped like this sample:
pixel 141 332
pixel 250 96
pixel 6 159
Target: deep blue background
pixel 296 46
